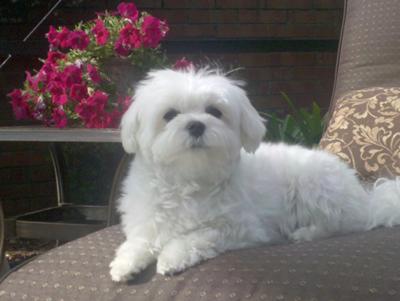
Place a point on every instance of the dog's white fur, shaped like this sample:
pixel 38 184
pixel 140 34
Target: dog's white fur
pixel 188 199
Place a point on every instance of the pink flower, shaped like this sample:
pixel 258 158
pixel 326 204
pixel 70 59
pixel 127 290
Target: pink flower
pixel 58 93
pixel 100 31
pixel 78 92
pixel 153 31
pixel 183 64
pixel 72 74
pixel 52 37
pixel 57 38
pixel 91 110
pixel 93 73
pixel 129 39
pixel 78 39
pixel 121 49
pixel 54 56
pixel 60 118
pixel 19 103
pixel 63 37
pixel 128 10
pixel 98 100
pixel 61 99
pixel 56 88
pixel 32 81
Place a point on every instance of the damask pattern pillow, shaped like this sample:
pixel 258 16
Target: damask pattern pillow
pixel 364 131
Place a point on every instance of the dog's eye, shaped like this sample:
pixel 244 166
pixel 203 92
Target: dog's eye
pixel 213 111
pixel 171 114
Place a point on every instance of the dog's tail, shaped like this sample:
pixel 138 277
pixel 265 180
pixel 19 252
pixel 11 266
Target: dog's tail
pixel 385 203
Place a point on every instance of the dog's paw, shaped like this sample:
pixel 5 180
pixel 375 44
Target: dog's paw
pixel 306 234
pixel 122 270
pixel 174 258
pixel 170 266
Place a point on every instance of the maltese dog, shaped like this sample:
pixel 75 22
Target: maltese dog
pixel 202 183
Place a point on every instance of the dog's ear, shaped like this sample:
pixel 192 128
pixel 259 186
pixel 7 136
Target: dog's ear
pixel 252 128
pixel 129 129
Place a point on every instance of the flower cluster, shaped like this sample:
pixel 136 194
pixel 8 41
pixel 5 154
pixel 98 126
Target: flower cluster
pixel 73 87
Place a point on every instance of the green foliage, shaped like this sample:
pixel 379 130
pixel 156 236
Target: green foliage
pixel 300 126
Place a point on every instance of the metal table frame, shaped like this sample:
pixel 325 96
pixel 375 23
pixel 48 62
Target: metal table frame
pixel 52 136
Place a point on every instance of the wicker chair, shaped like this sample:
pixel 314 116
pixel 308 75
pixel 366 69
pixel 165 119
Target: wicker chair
pixel 362 266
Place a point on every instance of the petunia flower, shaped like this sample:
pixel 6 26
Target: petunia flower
pixel 128 10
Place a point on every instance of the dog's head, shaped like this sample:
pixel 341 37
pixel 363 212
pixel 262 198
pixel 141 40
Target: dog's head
pixel 199 118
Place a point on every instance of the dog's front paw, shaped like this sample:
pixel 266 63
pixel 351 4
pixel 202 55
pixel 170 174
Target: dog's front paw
pixel 174 258
pixel 170 265
pixel 122 269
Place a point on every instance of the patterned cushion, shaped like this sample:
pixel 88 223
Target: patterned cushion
pixel 364 130
pixel 362 266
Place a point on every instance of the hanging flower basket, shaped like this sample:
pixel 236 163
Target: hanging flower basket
pixel 88 76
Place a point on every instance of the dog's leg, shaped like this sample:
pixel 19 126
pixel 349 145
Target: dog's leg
pixel 133 256
pixel 309 233
pixel 186 251
pixel 190 249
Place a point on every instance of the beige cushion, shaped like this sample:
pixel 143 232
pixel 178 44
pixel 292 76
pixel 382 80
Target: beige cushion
pixel 362 266
pixel 364 131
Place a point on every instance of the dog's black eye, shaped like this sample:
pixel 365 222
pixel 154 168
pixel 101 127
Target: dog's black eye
pixel 171 114
pixel 213 111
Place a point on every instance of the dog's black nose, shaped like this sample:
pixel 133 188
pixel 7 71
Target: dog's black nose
pixel 196 128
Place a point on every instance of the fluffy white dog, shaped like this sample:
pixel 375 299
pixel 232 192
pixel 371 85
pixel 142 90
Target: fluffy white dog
pixel 203 183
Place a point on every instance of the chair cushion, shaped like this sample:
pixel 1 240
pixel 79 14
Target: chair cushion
pixel 369 53
pixel 364 131
pixel 363 266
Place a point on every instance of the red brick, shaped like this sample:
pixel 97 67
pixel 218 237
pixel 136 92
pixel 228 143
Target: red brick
pixel 313 16
pixel 237 4
pixel 188 3
pixel 270 16
pixel 328 4
pixel 314 72
pixel 43 189
pixel 262 31
pixel 200 3
pixel 290 87
pixel 69 17
pixel 262 16
pixel 298 58
pixel 259 59
pixel 22 159
pixel 172 16
pixel 326 58
pixel 212 16
pixel 15 191
pixel 252 74
pixel 12 175
pixel 249 16
pixel 199 16
pixel 42 173
pixel 288 4
pixel 140 4
pixel 225 16
pixel 282 73
pixel 174 4
pixel 326 32
pixel 192 31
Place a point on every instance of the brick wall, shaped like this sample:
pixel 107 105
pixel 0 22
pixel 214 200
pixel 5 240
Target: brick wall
pixel 282 45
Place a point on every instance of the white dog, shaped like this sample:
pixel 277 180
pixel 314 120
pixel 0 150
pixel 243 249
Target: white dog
pixel 203 183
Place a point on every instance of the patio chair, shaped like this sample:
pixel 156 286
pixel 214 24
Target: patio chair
pixel 361 266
